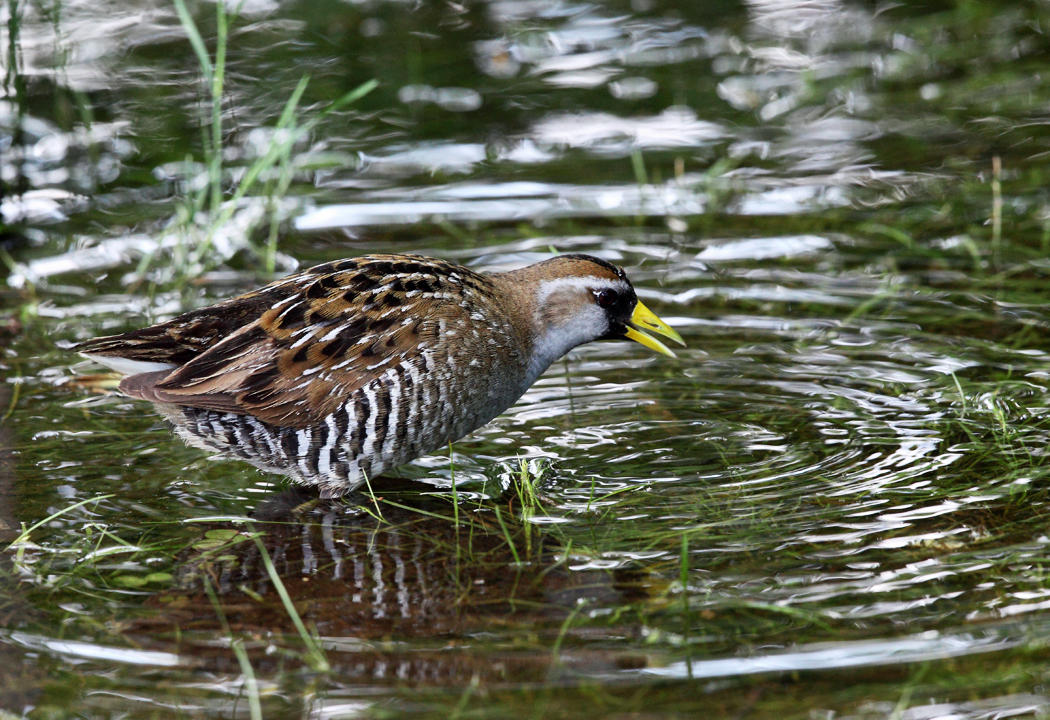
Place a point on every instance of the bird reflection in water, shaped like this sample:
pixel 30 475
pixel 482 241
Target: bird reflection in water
pixel 363 575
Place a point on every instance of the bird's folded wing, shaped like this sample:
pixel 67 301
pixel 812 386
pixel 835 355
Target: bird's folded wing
pixel 306 355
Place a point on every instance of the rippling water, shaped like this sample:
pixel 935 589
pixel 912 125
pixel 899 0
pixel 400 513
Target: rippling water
pixel 833 503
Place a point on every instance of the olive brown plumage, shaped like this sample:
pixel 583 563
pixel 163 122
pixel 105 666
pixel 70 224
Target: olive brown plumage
pixel 342 371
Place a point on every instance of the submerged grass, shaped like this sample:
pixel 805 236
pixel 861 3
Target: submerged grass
pixel 315 655
pixel 20 543
pixel 525 485
pixel 251 685
pixel 372 497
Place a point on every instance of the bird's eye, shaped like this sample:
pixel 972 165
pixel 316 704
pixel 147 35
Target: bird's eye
pixel 607 298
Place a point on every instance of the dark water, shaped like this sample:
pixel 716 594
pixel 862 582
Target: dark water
pixel 834 504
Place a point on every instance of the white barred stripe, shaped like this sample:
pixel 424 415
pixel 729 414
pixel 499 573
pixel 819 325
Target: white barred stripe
pixel 241 433
pixel 349 408
pixel 413 418
pixel 260 432
pixel 370 424
pixel 394 416
pixel 324 453
pixel 427 398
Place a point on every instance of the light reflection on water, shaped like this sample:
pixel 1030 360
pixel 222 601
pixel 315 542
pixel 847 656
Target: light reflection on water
pixel 924 647
pixel 92 651
pixel 852 443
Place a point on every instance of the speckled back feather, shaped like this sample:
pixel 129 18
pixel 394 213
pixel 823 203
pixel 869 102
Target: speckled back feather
pixel 324 333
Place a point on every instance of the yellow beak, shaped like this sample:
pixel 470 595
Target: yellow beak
pixel 643 317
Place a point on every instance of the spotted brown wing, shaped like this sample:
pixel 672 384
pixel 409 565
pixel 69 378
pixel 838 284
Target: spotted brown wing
pixel 347 324
pixel 179 340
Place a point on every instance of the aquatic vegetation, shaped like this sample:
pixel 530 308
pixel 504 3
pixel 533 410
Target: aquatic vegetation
pixel 833 503
pixel 223 213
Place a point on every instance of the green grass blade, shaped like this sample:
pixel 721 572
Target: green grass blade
pixel 351 97
pixel 24 535
pixel 194 35
pixel 506 534
pixel 315 656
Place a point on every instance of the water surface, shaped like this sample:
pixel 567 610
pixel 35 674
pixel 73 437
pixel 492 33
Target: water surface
pixel 833 503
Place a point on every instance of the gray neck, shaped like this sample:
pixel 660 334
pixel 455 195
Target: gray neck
pixel 551 345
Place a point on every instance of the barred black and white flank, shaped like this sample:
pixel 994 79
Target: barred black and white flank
pixel 353 367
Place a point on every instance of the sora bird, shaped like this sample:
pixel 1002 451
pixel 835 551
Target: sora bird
pixel 340 372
